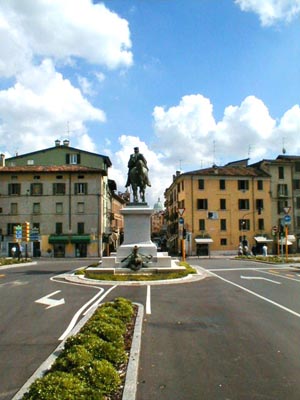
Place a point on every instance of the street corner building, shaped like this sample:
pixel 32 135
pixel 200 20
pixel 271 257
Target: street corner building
pixel 64 196
pixel 217 209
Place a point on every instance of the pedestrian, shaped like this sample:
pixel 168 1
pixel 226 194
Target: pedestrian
pixel 20 252
pixel 265 250
pixel 13 251
pixel 240 252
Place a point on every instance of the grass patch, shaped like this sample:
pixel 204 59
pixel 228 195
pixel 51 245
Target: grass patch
pixel 275 259
pixel 155 276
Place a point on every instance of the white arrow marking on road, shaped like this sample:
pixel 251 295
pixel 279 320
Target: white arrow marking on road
pixel 50 302
pixel 261 278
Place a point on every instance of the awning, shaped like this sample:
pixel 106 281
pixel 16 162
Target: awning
pixel 58 239
pixel 80 239
pixel 285 242
pixel 203 240
pixel 262 239
pixel 291 238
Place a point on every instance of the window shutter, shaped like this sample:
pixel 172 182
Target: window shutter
pixel 67 158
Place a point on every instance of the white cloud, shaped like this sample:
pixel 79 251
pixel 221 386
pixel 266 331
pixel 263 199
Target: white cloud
pixel 36 110
pixel 271 11
pixel 185 129
pixel 58 29
pixel 189 133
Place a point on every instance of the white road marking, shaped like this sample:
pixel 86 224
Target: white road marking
pixel 76 316
pixel 148 300
pixel 50 302
pixel 259 278
pixel 257 295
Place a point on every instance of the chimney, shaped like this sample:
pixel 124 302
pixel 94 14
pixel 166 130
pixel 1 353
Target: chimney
pixel 66 142
pixel 2 160
pixel 57 142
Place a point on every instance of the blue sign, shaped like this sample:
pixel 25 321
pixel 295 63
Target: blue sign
pixel 181 220
pixel 287 219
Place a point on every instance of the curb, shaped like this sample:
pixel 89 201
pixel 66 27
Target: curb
pixel 80 279
pixel 130 386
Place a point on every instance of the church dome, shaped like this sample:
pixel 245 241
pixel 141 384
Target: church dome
pixel 158 205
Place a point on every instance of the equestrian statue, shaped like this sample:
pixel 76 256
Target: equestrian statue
pixel 137 175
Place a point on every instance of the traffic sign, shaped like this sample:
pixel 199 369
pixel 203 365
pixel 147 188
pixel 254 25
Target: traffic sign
pixel 275 228
pixel 287 219
pixel 181 211
pixel 181 220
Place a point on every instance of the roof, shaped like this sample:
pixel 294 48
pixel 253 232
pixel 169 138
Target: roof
pixel 64 147
pixel 50 168
pixel 229 171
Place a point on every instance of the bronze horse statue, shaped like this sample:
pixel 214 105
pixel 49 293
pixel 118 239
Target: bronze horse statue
pixel 138 179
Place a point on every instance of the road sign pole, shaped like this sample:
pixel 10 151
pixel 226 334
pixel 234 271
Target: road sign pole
pixel 286 242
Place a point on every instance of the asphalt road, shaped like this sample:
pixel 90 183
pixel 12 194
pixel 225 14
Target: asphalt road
pixel 30 331
pixel 231 336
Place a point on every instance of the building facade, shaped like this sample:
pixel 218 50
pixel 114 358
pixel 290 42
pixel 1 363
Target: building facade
pixel 215 209
pixel 63 193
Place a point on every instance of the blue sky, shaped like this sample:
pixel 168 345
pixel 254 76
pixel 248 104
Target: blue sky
pixel 191 82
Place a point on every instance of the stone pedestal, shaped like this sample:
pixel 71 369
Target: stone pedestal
pixel 137 232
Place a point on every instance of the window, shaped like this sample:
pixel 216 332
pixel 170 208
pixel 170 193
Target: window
pixel 181 204
pixel 73 158
pixel 14 208
pixel 223 224
pixel 297 166
pixel 296 184
pixel 202 204
pixel 244 224
pixel 243 185
pixel 80 228
pixel 223 242
pixel 14 189
pixel 298 222
pixel 80 188
pixel 36 177
pixel 58 228
pixel 201 224
pixel 201 184
pixel 282 190
pixel 80 208
pixel 259 205
pixel 244 204
pixel 281 204
pixel 260 185
pixel 59 208
pixel 280 172
pixel 36 189
pixel 59 188
pixel 36 208
pixel 261 224
pixel 80 177
pixel 178 187
pixel 30 162
pixel 222 204
pixel 59 176
pixel 182 185
pixel 298 203
pixel 222 184
pixel 10 227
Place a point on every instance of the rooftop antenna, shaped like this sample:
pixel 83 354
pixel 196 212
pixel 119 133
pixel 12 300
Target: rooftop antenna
pixel 249 151
pixel 283 148
pixel 214 152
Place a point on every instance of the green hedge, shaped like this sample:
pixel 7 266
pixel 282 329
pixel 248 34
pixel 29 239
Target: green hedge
pixel 87 368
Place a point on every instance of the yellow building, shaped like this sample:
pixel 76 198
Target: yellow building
pixel 215 209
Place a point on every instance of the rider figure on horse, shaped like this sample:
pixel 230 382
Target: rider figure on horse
pixel 134 158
